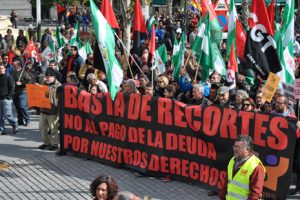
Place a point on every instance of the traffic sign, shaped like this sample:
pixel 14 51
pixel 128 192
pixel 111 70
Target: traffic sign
pixel 222 5
pixel 223 21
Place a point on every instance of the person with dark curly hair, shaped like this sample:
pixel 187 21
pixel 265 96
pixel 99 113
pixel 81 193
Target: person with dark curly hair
pixel 104 188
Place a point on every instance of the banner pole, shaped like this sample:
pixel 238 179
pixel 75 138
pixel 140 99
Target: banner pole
pixel 131 56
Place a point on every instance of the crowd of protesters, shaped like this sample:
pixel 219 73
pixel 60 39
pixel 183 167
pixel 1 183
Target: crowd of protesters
pixel 70 68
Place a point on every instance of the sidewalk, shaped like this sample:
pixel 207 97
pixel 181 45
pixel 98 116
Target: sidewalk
pixel 29 173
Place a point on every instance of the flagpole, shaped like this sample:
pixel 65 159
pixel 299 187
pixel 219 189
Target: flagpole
pixel 187 60
pixel 21 73
pixel 23 67
pixel 152 79
pixel 131 56
pixel 196 73
pixel 129 65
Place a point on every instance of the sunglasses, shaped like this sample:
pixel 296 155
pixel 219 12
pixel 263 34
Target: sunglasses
pixel 246 104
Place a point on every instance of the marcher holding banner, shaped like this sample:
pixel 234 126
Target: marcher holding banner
pixel 49 117
pixel 245 172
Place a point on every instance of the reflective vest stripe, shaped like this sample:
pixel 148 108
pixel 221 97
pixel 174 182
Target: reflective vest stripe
pixel 237 196
pixel 242 185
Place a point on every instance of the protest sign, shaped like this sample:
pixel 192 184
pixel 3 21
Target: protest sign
pixel 38 96
pixel 270 87
pixel 289 92
pixel 297 88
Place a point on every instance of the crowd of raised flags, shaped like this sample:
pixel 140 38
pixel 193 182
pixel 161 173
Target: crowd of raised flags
pixel 242 46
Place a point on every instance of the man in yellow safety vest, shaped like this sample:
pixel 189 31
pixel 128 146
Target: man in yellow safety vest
pixel 245 173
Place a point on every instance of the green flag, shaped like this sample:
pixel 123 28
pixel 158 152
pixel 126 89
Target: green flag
pixel 161 57
pixel 75 39
pixel 151 23
pixel 231 28
pixel 202 47
pixel 59 39
pixel 285 40
pixel 85 50
pixel 106 42
pixel 178 56
pixel 286 74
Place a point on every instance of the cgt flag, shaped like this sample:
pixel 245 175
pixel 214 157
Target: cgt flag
pixel 260 48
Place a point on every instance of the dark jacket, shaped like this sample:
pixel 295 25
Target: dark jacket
pixel 204 101
pixel 7 86
pixel 53 96
pixel 25 79
pixel 76 64
pixel 21 41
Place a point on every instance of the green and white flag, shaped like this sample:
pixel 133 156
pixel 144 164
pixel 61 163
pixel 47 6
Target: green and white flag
pixel 286 74
pixel 106 41
pixel 161 57
pixel 151 23
pixel 178 56
pixel 207 51
pixel 49 53
pixel 286 52
pixel 231 28
pixel 85 50
pixel 75 39
pixel 59 39
pixel 202 47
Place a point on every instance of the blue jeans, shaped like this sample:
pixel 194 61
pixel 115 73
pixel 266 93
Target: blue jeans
pixel 7 113
pixel 20 101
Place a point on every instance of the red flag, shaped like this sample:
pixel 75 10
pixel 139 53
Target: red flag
pixel 206 6
pixel 258 8
pixel 240 39
pixel 139 27
pixel 271 13
pixel 108 13
pixel 152 43
pixel 231 70
pixel 75 7
pixel 32 51
pixel 59 8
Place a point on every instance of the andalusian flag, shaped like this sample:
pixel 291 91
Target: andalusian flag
pixel 178 56
pixel 151 23
pixel 285 51
pixel 231 28
pixel 215 27
pixel 215 37
pixel 59 38
pixel 161 57
pixel 106 42
pixel 202 46
pixel 286 74
pixel 75 39
pixel 85 50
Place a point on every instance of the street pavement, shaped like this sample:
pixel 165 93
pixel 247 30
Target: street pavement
pixel 29 173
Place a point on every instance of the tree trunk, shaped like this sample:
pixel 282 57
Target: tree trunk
pixel 244 13
pixel 126 16
pixel 170 7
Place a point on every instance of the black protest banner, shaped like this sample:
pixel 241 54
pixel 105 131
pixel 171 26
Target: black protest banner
pixel 163 137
